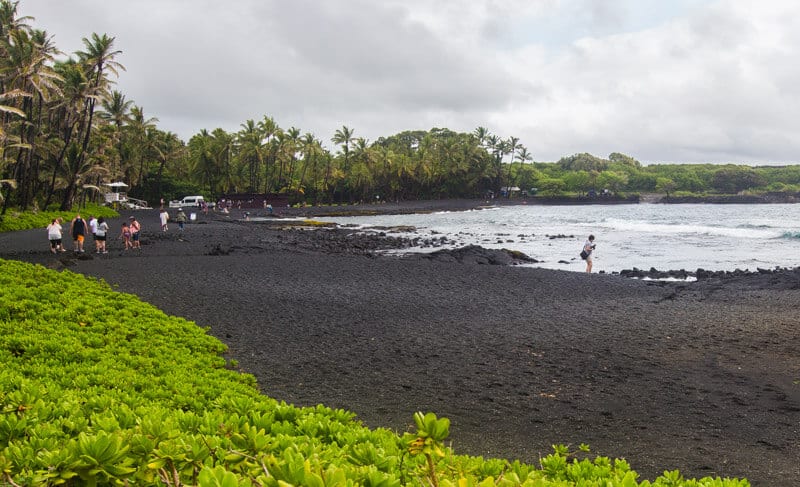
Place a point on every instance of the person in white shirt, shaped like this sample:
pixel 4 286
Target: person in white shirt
pixel 100 236
pixel 588 247
pixel 54 236
pixel 164 216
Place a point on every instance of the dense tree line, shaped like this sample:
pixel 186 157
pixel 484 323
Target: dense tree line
pixel 65 131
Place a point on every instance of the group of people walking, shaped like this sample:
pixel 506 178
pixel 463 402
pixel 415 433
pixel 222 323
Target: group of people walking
pixel 80 229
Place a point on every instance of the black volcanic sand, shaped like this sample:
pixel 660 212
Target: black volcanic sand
pixel 703 377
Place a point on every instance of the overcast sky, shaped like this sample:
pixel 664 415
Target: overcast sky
pixel 659 80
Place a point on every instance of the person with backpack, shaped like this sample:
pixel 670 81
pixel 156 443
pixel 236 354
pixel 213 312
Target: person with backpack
pixel 181 219
pixel 78 229
pixel 586 253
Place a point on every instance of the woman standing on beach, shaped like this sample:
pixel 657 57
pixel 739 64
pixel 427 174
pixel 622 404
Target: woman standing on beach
pixel 588 247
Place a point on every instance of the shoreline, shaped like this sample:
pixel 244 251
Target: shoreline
pixel 697 376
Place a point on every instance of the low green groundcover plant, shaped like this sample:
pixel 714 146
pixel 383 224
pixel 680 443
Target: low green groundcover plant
pixel 14 220
pixel 99 388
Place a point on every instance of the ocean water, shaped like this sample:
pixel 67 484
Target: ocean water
pixel 666 237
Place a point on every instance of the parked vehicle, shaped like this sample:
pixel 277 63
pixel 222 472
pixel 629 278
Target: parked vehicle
pixel 195 201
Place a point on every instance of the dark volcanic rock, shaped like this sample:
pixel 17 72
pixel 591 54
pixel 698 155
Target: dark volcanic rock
pixel 475 254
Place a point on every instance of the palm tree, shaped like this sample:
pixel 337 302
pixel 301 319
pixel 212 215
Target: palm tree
pixel 270 130
pixel 27 70
pixel 139 137
pixel 344 137
pixel 511 148
pixel 98 58
pixel 522 156
pixel 310 148
pixel 66 113
pixel 481 133
pixel 250 141
pixel 77 171
pixel 116 109
pixel 9 20
pixel 167 147
pixel 291 148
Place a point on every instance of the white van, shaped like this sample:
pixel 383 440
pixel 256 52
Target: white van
pixel 187 201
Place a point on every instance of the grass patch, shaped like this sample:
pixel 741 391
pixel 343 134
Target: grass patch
pixel 15 220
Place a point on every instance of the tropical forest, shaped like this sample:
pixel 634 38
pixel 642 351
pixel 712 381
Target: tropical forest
pixel 66 131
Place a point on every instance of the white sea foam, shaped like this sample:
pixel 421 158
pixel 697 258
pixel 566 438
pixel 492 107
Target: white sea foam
pixel 667 237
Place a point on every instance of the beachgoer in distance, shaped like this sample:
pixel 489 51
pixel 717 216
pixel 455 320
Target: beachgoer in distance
pixel 125 235
pixel 136 228
pixel 54 235
pixel 78 230
pixel 588 247
pixel 164 216
pixel 100 236
pixel 180 218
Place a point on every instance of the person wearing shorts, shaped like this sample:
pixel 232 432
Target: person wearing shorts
pixel 54 235
pixel 100 236
pixel 588 247
pixel 78 229
pixel 135 229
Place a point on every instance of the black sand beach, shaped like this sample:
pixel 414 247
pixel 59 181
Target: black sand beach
pixel 703 377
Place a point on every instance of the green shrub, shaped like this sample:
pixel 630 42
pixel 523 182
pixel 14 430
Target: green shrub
pixel 14 220
pixel 99 388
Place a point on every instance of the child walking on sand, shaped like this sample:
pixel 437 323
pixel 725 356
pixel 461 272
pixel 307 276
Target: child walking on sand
pixel 125 235
pixel 164 217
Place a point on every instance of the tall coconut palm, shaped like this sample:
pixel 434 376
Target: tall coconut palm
pixel 344 137
pixel 290 150
pixel 522 156
pixel 66 113
pixel 98 58
pixel 511 148
pixel 116 109
pixel 310 148
pixel 167 147
pixel 481 133
pixel 27 69
pixel 250 141
pixel 77 171
pixel 202 154
pixel 139 139
pixel 269 130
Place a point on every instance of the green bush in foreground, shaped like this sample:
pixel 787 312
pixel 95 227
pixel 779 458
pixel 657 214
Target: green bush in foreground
pixel 99 388
pixel 14 220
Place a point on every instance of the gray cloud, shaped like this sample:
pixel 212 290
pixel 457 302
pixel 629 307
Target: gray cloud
pixel 705 81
